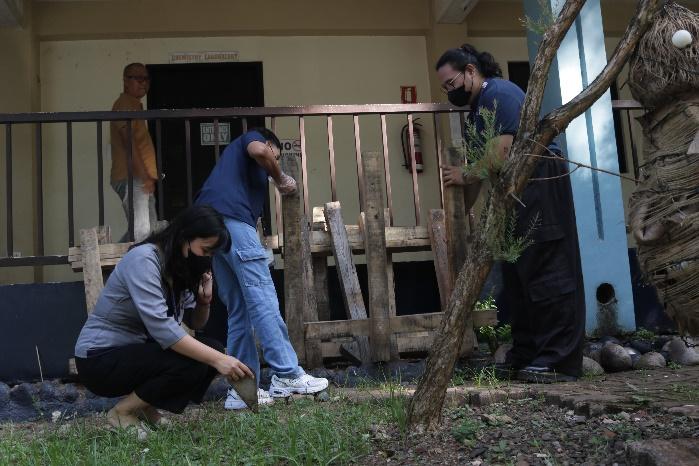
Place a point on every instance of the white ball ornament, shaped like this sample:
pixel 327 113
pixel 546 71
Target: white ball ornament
pixel 681 38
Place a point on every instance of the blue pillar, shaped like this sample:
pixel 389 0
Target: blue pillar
pixel 597 196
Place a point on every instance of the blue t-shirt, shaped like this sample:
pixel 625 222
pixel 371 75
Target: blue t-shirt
pixel 237 186
pixel 509 99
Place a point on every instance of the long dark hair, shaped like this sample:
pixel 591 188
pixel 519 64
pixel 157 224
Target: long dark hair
pixel 468 55
pixel 200 221
pixel 269 136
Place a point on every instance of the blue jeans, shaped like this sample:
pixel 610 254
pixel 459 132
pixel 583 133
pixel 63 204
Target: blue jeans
pixel 246 289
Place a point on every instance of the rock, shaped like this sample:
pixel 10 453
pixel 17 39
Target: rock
pixel 355 375
pixel 642 346
pixel 605 340
pixel 102 404
pixel 501 353
pixel 322 372
pixel 478 451
pixel 4 393
pixel 591 346
pixel 405 371
pixel 650 361
pixel 592 350
pixel 70 393
pixel 615 358
pixel 661 341
pixel 635 355
pixel 656 452
pixel 591 367
pixel 23 394
pixel 680 353
pixel 49 392
pixel 496 420
pixel 691 411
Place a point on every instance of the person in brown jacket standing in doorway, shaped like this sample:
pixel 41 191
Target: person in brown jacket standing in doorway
pixel 145 173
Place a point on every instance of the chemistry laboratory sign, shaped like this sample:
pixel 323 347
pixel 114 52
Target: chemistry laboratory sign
pixel 204 57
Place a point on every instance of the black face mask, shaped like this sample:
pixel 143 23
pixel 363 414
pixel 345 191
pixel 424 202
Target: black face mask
pixel 197 265
pixel 459 97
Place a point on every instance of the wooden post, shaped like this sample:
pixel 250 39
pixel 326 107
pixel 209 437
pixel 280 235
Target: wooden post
pixel 438 238
pixel 293 266
pixel 92 267
pixel 457 238
pixel 320 269
pixel 395 354
pixel 314 353
pixel 90 239
pixel 347 273
pixel 375 238
pixel 390 290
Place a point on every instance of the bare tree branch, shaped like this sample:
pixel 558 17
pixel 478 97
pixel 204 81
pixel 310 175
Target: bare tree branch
pixel 545 54
pixel 558 120
pixel 426 406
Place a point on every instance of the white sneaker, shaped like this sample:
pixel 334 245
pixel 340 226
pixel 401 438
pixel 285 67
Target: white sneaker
pixel 305 384
pixel 233 401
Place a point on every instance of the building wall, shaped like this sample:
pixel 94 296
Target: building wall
pixel 297 71
pixel 18 93
pixel 313 51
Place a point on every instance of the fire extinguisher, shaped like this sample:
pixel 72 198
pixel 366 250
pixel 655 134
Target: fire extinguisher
pixel 405 140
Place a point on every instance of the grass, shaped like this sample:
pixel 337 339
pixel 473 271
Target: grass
pixel 303 432
pixel 467 431
pixel 685 391
pixel 481 378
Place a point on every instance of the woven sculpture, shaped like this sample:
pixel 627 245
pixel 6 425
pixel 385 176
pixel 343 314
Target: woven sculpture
pixel 664 208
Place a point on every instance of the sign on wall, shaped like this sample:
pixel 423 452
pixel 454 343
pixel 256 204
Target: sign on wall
pixel 208 137
pixel 291 147
pixel 204 57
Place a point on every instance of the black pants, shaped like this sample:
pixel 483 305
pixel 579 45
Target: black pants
pixel 545 294
pixel 162 378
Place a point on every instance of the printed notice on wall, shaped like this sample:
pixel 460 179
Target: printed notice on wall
pixel 291 147
pixel 208 137
pixel 204 57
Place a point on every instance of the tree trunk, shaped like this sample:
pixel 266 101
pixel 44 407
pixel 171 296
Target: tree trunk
pixel 424 411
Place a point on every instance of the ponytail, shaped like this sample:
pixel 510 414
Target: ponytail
pixel 468 55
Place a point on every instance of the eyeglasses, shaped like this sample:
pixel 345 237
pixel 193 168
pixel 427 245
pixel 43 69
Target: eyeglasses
pixel 140 79
pixel 449 85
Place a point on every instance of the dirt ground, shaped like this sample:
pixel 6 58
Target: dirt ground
pixel 528 431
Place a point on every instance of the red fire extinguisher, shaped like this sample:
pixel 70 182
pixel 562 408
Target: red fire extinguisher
pixel 405 140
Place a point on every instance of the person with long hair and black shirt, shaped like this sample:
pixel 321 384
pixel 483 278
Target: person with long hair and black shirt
pixel 133 344
pixel 543 288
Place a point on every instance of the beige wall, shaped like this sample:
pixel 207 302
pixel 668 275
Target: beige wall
pixel 314 51
pixel 168 18
pixel 297 71
pixel 18 93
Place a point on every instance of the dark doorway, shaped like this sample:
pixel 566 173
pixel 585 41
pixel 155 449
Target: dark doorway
pixel 619 132
pixel 518 73
pixel 199 85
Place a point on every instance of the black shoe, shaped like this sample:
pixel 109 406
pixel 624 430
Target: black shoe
pixel 543 374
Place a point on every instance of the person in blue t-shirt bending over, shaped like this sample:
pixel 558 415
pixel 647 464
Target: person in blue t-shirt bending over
pixel 237 188
pixel 543 289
